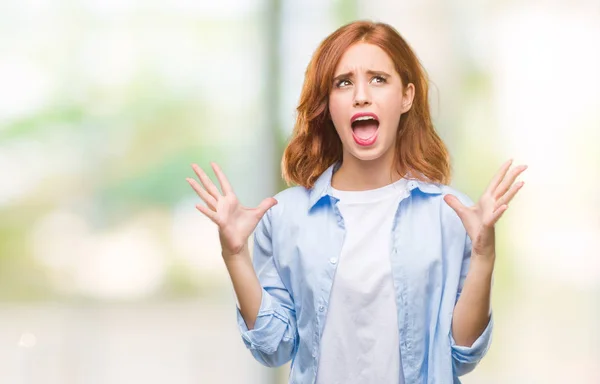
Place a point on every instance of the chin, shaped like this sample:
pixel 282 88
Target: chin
pixel 369 154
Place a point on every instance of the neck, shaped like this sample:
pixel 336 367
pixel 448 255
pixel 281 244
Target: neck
pixel 361 175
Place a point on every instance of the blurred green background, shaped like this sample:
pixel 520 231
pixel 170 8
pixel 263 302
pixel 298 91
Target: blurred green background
pixel 108 274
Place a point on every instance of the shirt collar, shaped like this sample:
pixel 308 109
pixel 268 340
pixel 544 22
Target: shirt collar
pixel 322 187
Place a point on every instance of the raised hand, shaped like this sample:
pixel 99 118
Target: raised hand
pixel 479 220
pixel 236 222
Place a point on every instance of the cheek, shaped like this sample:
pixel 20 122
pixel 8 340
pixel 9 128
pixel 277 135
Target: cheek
pixel 336 110
pixel 393 109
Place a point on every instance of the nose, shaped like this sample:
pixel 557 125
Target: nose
pixel 362 96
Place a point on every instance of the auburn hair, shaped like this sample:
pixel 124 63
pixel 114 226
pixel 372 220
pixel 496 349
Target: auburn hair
pixel 315 144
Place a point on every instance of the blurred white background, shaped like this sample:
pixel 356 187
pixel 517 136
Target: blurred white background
pixel 109 275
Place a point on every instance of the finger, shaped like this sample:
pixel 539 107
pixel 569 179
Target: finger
pixel 498 177
pixel 497 215
pixel 212 215
pixel 265 205
pixel 206 182
pixel 225 186
pixel 508 196
pixel 455 204
pixel 508 181
pixel 205 196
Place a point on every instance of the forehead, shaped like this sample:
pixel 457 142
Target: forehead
pixel 364 56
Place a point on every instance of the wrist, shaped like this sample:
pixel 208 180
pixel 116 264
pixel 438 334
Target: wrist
pixel 488 257
pixel 237 254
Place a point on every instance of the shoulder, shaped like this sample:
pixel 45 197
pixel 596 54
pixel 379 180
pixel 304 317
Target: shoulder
pixel 292 198
pixel 290 203
pixel 448 216
pixel 292 195
pixel 463 197
pixel 433 192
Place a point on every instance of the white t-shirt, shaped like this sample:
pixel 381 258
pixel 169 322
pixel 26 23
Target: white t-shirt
pixel 360 341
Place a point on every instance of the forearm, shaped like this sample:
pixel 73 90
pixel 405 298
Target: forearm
pixel 472 311
pixel 245 284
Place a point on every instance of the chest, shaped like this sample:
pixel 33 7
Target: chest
pixel 408 237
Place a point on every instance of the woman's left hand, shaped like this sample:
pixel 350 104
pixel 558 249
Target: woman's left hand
pixel 479 220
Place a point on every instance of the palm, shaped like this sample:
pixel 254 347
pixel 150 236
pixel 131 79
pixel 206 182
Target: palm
pixel 236 222
pixel 480 219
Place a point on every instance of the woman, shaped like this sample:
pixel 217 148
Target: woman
pixel 372 269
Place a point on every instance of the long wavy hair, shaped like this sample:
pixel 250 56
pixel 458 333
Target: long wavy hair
pixel 315 144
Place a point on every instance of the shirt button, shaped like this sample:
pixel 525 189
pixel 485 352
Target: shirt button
pixel 333 260
pixel 321 308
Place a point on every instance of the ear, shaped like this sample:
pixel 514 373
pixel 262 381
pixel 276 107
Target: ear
pixel 408 97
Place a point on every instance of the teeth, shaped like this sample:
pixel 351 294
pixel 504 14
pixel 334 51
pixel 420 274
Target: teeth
pixel 364 118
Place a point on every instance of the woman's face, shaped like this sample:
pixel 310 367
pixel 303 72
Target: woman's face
pixel 366 101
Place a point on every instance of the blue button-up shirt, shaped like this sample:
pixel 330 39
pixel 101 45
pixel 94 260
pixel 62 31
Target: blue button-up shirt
pixel 296 245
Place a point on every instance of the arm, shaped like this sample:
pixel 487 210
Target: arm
pixel 472 321
pixel 473 310
pixel 266 313
pixel 269 331
pixel 472 317
pixel 248 290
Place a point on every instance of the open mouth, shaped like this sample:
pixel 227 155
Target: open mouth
pixel 364 128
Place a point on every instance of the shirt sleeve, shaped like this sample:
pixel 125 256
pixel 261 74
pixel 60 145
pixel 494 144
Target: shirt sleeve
pixel 273 339
pixel 465 359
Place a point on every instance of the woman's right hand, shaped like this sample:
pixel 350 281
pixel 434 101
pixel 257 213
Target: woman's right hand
pixel 236 222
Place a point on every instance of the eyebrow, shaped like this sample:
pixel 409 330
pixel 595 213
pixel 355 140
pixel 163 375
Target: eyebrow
pixel 350 74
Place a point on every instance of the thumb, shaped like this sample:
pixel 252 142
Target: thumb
pixel 455 204
pixel 265 205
